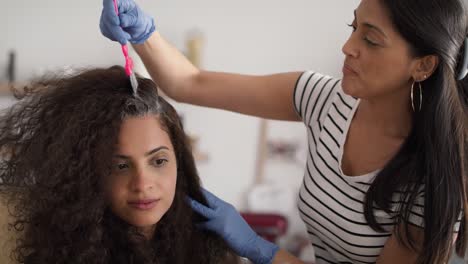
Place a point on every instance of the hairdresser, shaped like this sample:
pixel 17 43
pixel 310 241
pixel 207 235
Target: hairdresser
pixel 386 173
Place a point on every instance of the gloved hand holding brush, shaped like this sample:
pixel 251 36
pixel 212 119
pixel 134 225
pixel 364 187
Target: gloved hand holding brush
pixel 130 25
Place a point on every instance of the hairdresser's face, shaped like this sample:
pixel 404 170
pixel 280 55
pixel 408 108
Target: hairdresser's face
pixel 378 60
pixel 141 188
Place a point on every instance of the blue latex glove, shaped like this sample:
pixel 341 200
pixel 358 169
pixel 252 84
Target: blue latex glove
pixel 132 24
pixel 224 220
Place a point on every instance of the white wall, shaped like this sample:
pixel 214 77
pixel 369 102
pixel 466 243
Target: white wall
pixel 247 36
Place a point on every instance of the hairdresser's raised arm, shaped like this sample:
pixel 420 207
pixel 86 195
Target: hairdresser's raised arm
pixel 265 96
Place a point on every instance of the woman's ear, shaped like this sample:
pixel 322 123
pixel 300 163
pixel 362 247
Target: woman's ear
pixel 425 67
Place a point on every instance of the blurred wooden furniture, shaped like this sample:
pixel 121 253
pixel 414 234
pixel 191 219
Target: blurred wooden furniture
pixel 261 152
pixel 268 226
pixel 6 236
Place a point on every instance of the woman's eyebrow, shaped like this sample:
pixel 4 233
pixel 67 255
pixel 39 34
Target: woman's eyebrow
pixel 121 156
pixel 156 150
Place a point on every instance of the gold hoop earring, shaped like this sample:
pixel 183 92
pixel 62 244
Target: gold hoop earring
pixel 420 97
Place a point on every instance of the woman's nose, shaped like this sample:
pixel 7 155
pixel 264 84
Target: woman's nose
pixel 141 180
pixel 350 48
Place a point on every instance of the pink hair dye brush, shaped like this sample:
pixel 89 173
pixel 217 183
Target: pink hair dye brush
pixel 128 61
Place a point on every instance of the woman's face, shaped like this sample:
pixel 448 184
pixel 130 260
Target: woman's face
pixel 378 60
pixel 141 187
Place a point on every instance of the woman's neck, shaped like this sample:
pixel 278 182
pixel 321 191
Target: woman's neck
pixel 390 115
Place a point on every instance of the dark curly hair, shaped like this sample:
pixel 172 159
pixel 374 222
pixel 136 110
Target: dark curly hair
pixel 57 144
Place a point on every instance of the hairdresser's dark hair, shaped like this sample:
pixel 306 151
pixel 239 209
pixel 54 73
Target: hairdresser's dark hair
pixel 57 143
pixel 433 160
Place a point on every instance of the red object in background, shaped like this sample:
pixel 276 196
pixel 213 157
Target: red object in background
pixel 268 226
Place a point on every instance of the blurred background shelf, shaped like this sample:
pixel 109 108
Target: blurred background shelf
pixel 6 88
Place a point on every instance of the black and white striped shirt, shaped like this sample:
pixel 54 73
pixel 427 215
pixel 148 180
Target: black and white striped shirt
pixel 330 202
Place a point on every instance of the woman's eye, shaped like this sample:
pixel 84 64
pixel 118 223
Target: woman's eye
pixel 159 162
pixel 122 166
pixel 370 42
pixel 366 39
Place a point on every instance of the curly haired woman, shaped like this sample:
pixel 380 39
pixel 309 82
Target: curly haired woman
pixel 96 175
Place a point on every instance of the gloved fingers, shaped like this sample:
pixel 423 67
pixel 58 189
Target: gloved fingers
pixel 105 29
pixel 115 33
pixel 201 209
pixel 126 6
pixel 207 225
pixel 123 37
pixel 109 17
pixel 128 20
pixel 108 5
pixel 211 225
pixel 212 200
pixel 108 12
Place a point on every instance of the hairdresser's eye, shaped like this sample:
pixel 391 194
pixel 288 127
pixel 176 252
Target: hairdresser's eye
pixel 352 26
pixel 370 42
pixel 159 162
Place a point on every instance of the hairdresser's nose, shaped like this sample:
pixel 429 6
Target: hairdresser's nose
pixel 141 180
pixel 350 48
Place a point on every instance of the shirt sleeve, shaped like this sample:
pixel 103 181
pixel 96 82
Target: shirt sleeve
pixel 312 93
pixel 416 215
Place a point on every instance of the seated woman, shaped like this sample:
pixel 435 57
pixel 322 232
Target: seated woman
pixel 96 175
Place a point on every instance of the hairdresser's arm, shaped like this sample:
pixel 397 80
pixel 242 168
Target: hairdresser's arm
pixel 223 219
pixel 267 96
pixel 395 252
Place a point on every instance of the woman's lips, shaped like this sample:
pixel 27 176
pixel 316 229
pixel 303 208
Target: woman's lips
pixel 143 204
pixel 347 70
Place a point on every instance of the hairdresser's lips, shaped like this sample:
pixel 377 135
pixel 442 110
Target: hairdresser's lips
pixel 348 70
pixel 146 204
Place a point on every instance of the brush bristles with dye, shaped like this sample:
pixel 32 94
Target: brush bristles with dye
pixel 134 83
